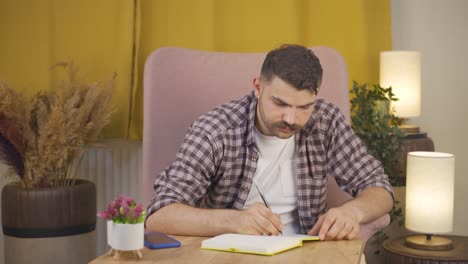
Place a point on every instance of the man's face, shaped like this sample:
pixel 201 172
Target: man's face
pixel 282 110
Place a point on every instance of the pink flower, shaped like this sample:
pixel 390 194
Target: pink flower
pixel 138 209
pixel 125 200
pixel 104 215
pixel 125 210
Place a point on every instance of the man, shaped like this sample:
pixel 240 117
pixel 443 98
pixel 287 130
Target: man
pixel 280 142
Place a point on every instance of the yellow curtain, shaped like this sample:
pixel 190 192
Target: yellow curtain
pixel 118 35
pixel 97 35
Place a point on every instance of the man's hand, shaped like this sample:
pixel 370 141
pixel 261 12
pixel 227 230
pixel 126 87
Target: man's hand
pixel 259 220
pixel 343 222
pixel 185 220
pixel 336 224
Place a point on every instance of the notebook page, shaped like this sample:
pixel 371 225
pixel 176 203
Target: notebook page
pixel 251 243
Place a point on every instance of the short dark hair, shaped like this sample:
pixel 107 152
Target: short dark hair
pixel 294 64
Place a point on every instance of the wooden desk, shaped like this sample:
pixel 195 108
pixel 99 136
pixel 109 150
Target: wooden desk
pixel 330 252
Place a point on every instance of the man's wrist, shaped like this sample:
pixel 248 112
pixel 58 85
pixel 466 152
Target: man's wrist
pixel 354 211
pixel 233 219
pixel 224 220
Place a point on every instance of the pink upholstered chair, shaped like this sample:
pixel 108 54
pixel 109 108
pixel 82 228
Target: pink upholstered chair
pixel 181 84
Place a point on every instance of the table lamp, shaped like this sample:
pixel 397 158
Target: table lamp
pixel 429 199
pixel 402 71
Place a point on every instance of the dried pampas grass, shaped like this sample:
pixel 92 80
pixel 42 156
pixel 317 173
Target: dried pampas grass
pixel 53 128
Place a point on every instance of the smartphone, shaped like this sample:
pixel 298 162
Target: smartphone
pixel 155 240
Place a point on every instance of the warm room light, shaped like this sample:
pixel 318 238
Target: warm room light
pixel 429 198
pixel 402 71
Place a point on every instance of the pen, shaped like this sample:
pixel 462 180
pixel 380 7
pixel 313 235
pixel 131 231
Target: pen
pixel 264 200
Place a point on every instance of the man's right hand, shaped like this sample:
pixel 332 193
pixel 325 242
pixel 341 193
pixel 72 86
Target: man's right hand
pixel 259 220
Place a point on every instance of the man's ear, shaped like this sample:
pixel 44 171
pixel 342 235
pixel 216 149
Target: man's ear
pixel 318 87
pixel 257 87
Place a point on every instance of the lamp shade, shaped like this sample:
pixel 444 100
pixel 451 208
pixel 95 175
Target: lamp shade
pixel 402 71
pixel 429 192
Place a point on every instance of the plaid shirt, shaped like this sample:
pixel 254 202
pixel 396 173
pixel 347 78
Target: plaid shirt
pixel 216 163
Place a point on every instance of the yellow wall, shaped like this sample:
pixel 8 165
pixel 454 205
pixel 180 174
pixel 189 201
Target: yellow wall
pixel 99 36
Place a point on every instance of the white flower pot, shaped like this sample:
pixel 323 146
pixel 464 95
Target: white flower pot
pixel 125 236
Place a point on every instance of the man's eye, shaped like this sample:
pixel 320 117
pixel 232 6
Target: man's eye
pixel 304 107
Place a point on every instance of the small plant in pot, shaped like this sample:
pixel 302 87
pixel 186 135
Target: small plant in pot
pixel 42 140
pixel 125 226
pixel 377 126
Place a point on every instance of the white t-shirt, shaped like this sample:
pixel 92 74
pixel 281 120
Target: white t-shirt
pixel 276 178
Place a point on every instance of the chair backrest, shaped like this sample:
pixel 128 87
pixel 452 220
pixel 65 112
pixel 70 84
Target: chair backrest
pixel 181 84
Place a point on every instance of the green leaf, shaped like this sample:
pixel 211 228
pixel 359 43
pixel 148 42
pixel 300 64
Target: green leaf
pixel 374 121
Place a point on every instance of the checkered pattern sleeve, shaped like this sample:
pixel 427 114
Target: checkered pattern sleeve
pixel 188 178
pixel 349 161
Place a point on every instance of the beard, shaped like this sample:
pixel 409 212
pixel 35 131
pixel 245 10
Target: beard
pixel 274 128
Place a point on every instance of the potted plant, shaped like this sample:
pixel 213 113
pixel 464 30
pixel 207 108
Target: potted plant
pixel 377 126
pixel 125 226
pixel 42 138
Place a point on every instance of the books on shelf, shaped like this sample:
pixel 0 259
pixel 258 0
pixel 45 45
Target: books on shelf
pixel 255 244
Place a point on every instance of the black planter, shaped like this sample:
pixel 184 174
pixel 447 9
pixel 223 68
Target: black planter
pixel 49 225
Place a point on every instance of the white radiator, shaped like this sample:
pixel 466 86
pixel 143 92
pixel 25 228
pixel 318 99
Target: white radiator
pixel 115 167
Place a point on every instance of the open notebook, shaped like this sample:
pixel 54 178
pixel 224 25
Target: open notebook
pixel 251 244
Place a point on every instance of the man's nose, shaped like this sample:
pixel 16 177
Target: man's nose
pixel 290 116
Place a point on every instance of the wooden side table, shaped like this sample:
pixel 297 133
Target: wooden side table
pixel 396 252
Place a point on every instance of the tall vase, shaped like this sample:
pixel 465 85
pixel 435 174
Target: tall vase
pixel 49 225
